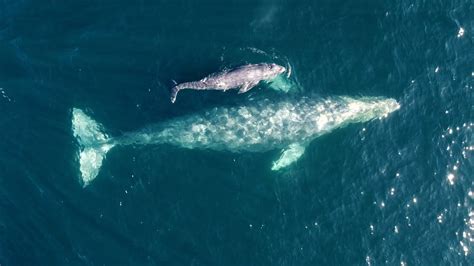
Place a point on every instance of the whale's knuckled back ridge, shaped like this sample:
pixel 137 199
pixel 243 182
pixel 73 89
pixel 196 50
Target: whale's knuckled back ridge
pixel 93 142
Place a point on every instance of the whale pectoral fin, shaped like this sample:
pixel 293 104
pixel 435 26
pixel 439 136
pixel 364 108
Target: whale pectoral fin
pixel 247 86
pixel 289 155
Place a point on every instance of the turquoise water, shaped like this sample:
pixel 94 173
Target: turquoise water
pixel 397 191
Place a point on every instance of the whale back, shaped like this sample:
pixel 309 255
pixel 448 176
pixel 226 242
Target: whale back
pixel 265 125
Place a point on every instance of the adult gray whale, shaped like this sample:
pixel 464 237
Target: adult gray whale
pixel 261 126
pixel 244 77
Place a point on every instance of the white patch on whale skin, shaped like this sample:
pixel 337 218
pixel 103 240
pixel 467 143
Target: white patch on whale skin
pixel 322 121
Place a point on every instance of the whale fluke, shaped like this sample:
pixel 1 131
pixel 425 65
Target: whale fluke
pixel 174 93
pixel 94 144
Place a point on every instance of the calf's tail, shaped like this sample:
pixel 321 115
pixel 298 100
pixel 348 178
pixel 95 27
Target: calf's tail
pixel 174 93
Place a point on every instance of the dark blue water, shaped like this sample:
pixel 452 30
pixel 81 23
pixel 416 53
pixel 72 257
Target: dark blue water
pixel 398 191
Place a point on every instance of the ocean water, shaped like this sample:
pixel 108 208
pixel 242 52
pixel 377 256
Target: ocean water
pixel 397 191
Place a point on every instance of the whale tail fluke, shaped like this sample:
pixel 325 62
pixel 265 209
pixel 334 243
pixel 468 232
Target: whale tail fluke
pixel 174 93
pixel 94 144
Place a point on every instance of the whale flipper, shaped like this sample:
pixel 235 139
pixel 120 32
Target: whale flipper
pixel 247 86
pixel 282 84
pixel 93 142
pixel 289 155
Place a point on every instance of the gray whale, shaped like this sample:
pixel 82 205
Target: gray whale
pixel 287 125
pixel 244 77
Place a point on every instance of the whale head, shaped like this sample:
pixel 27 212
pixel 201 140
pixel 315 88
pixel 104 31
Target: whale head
pixel 270 71
pixel 368 108
pixel 276 69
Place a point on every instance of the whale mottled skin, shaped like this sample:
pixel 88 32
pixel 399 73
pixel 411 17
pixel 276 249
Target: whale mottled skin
pixel 288 125
pixel 244 77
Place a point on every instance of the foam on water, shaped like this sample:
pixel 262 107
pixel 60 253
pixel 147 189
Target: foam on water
pixel 4 95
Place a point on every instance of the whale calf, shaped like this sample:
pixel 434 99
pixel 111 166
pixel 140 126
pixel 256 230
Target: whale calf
pixel 244 77
pixel 288 125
